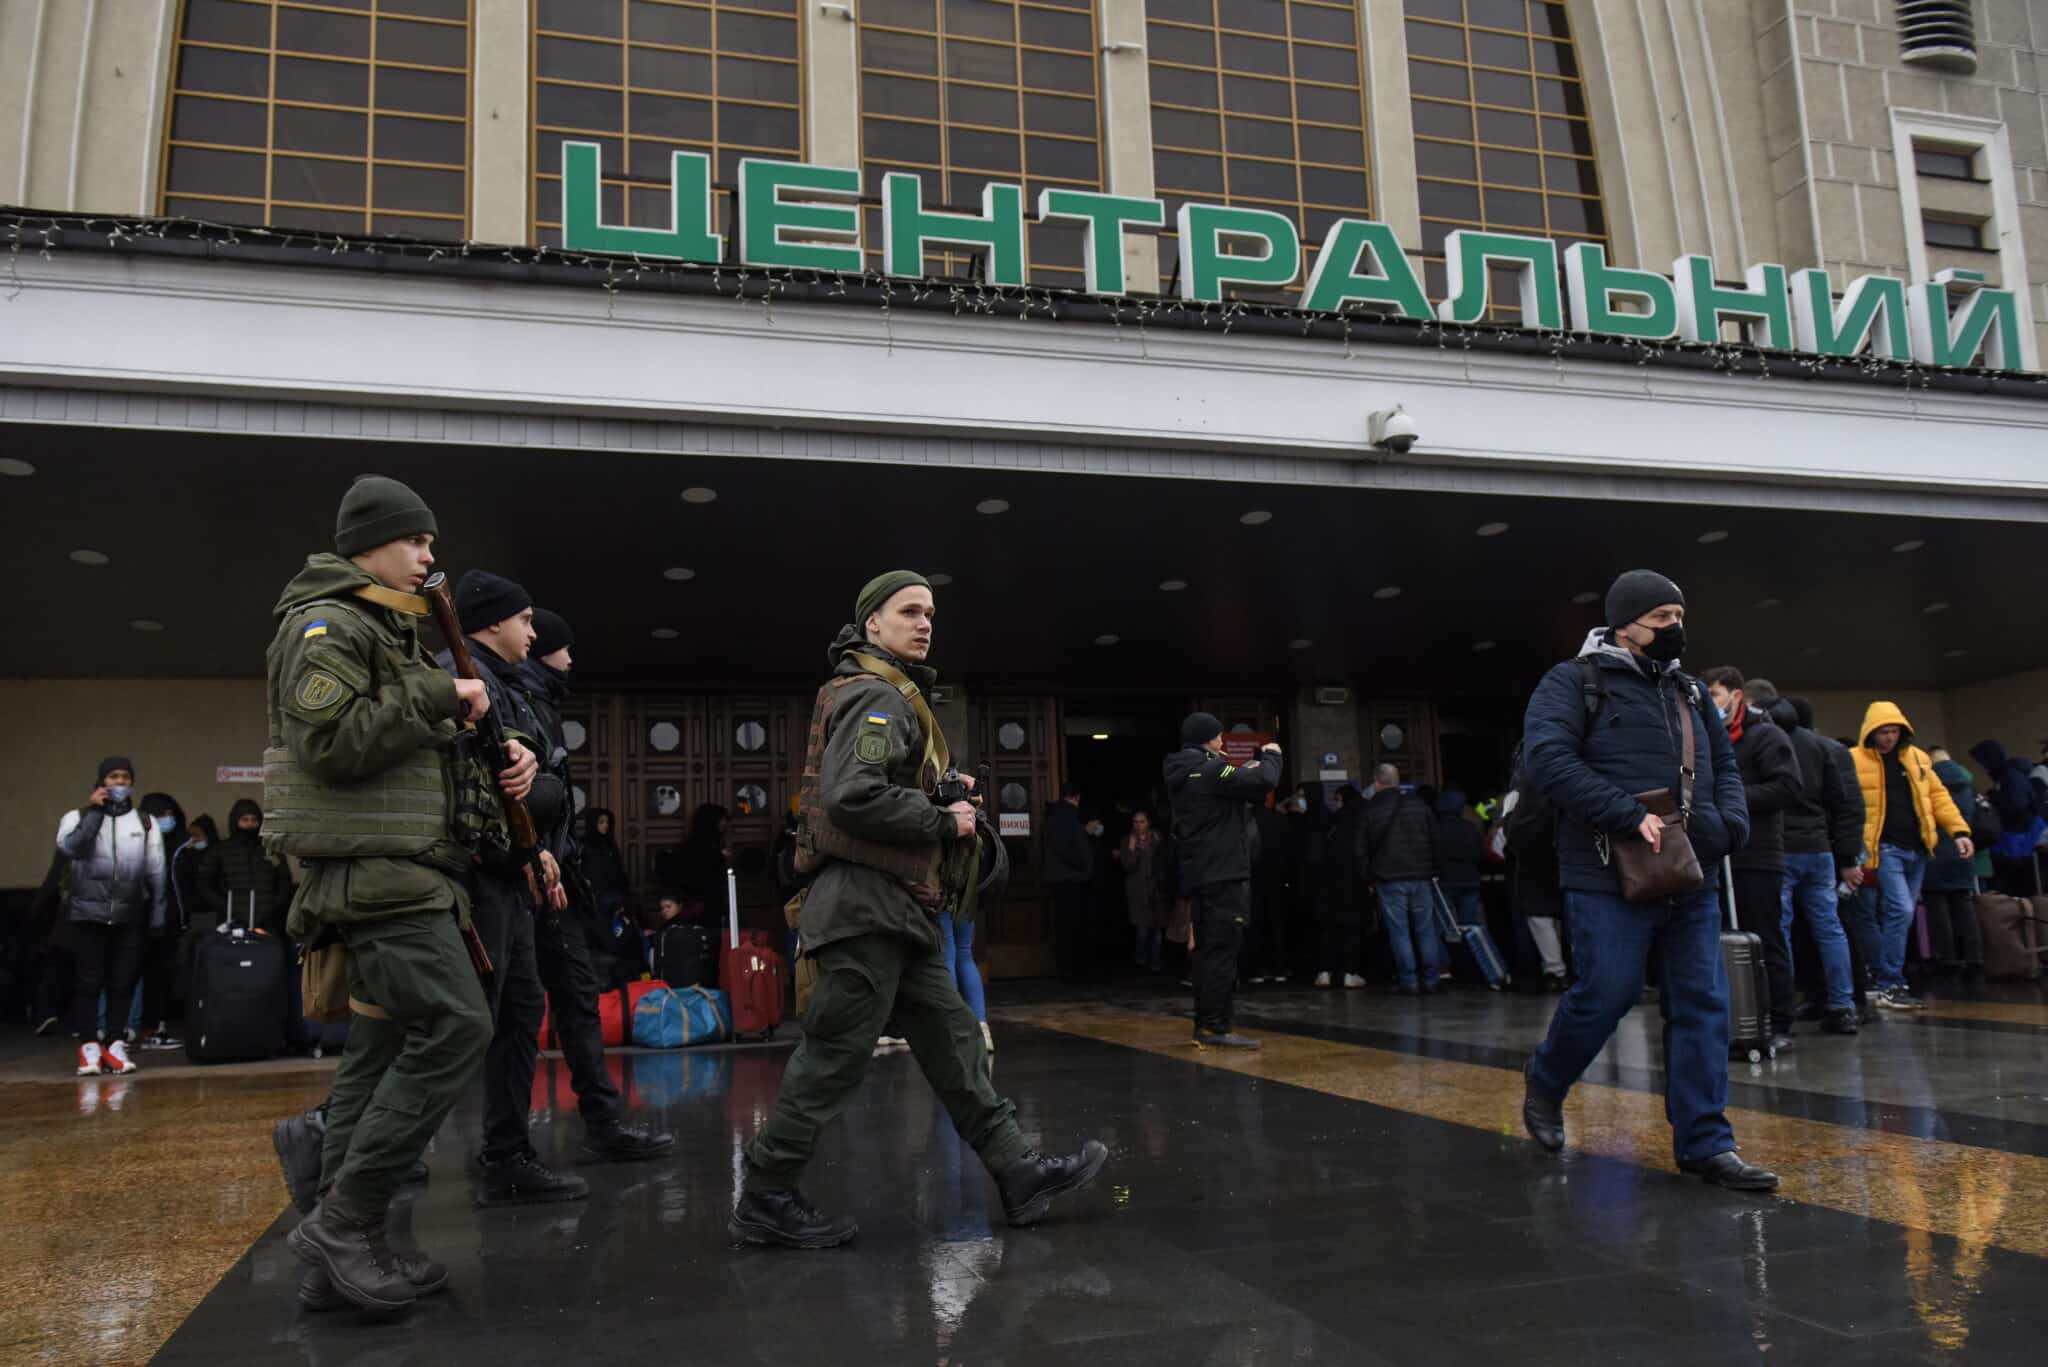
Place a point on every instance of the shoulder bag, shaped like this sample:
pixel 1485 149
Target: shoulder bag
pixel 1653 874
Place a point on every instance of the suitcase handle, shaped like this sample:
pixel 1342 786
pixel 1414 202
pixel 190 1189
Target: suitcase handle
pixel 1728 886
pixel 732 905
pixel 1448 918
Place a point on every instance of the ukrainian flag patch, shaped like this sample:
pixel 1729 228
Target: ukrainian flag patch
pixel 318 628
pixel 878 718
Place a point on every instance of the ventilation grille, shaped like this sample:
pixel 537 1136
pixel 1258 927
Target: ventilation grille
pixel 1941 34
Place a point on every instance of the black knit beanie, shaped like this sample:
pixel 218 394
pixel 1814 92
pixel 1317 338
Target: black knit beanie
pixel 483 599
pixel 1199 729
pixel 1639 592
pixel 376 510
pixel 110 764
pixel 550 633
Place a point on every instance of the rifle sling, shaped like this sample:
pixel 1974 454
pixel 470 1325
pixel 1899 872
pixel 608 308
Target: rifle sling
pixel 937 754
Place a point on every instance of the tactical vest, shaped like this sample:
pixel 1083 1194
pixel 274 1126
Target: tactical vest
pixel 818 841
pixel 403 812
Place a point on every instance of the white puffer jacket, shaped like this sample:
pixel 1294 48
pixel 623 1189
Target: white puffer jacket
pixel 117 867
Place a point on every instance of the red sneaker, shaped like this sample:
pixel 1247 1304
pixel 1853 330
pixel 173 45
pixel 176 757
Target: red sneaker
pixel 117 1058
pixel 89 1059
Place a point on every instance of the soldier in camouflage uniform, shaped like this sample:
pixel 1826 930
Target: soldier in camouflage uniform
pixel 887 860
pixel 362 783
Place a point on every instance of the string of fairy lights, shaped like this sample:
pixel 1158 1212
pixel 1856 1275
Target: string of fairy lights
pixel 46 233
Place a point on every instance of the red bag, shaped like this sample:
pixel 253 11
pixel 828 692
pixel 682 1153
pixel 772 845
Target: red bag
pixel 614 1017
pixel 749 971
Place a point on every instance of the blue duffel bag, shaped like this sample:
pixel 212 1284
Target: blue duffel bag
pixel 676 1017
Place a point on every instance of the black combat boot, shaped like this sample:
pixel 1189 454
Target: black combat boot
pixel 349 1247
pixel 786 1218
pixel 617 1143
pixel 1031 1184
pixel 1840 1022
pixel 526 1181
pixel 318 1292
pixel 1541 1117
pixel 298 1142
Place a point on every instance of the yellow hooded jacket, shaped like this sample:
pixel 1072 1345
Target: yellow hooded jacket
pixel 1931 802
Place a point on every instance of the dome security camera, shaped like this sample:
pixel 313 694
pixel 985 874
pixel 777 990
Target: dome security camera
pixel 1392 430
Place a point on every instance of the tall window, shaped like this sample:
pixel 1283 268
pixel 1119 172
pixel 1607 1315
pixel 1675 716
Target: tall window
pixel 1501 134
pixel 966 92
pixel 346 116
pixel 1260 103
pixel 645 78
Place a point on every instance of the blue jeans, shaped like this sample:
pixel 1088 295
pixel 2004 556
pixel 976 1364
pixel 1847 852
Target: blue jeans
pixel 134 1014
pixel 1810 890
pixel 958 938
pixel 1412 922
pixel 1612 941
pixel 1899 875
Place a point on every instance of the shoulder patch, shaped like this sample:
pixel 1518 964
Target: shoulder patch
pixel 319 691
pixel 878 718
pixel 872 747
pixel 315 628
pixel 1228 770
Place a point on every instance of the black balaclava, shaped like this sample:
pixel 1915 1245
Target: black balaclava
pixel 245 807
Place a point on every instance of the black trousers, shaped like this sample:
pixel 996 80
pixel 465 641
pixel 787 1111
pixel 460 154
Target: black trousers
pixel 573 983
pixel 1219 915
pixel 504 918
pixel 109 958
pixel 1072 930
pixel 1958 940
pixel 1343 943
pixel 1760 909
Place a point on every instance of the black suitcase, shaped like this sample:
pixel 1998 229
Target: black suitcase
pixel 684 956
pixel 1749 987
pixel 241 995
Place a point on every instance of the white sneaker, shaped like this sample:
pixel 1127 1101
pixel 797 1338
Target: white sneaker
pixel 1353 980
pixel 987 1038
pixel 1322 980
pixel 89 1059
pixel 117 1058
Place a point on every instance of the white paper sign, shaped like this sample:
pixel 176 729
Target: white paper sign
pixel 1335 775
pixel 1016 824
pixel 238 773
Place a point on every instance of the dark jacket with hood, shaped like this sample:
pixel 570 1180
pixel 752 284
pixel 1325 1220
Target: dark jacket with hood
pixel 873 790
pixel 1069 857
pixel 1828 817
pixel 1212 813
pixel 1459 843
pixel 545 688
pixel 163 810
pixel 1771 786
pixel 512 699
pixel 238 873
pixel 696 872
pixel 1401 837
pixel 1950 872
pixel 1591 767
pixel 602 865
pixel 187 898
pixel 2012 787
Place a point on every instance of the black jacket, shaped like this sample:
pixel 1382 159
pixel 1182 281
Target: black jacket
pixel 1401 837
pixel 1212 818
pixel 1069 857
pixel 512 702
pixel 1459 844
pixel 1828 817
pixel 1771 785
pixel 1592 767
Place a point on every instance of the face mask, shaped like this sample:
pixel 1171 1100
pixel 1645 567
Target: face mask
pixel 1667 643
pixel 167 823
pixel 196 844
pixel 1720 712
pixel 118 794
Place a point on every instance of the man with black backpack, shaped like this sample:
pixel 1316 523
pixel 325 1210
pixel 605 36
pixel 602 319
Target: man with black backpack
pixel 1603 739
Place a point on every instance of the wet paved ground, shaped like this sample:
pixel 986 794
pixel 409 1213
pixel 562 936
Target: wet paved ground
pixel 1360 1193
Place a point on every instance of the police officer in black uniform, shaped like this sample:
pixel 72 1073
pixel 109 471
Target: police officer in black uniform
pixel 562 939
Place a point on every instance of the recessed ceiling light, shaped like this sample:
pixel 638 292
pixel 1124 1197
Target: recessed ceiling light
pixel 1762 604
pixel 1481 647
pixel 678 573
pixel 1390 591
pixel 1904 546
pixel 699 494
pixel 146 624
pixel 1099 735
pixel 1300 643
pixel 989 507
pixel 1933 608
pixel 1172 585
pixel 1709 538
pixel 1583 598
pixel 1953 654
pixel 19 469
pixel 90 557
pixel 1257 517
pixel 939 581
pixel 665 633
pixel 1490 529
pixel 1107 639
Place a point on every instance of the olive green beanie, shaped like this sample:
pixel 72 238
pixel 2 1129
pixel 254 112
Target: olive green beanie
pixel 376 510
pixel 881 589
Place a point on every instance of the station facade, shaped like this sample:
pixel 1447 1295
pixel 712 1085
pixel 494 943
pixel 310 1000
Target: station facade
pixel 693 315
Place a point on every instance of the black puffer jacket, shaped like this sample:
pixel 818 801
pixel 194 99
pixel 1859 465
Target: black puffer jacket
pixel 1771 786
pixel 512 702
pixel 1212 814
pixel 1401 838
pixel 238 876
pixel 1459 843
pixel 1828 818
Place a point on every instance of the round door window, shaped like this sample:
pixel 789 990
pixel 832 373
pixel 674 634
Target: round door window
pixel 750 799
pixel 750 736
pixel 574 736
pixel 664 736
pixel 1392 737
pixel 1016 797
pixel 666 799
pixel 1010 736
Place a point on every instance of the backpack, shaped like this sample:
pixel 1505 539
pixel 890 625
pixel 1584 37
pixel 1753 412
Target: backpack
pixel 1594 691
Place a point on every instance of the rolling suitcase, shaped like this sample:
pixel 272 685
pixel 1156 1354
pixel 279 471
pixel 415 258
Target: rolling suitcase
pixel 749 972
pixel 1478 942
pixel 241 998
pixel 1749 988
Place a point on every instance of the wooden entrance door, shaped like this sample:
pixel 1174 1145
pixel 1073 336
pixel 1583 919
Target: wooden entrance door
pixel 1023 740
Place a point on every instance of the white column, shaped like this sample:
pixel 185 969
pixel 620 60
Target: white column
pixel 832 84
pixel 1390 122
pixel 501 124
pixel 1126 83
